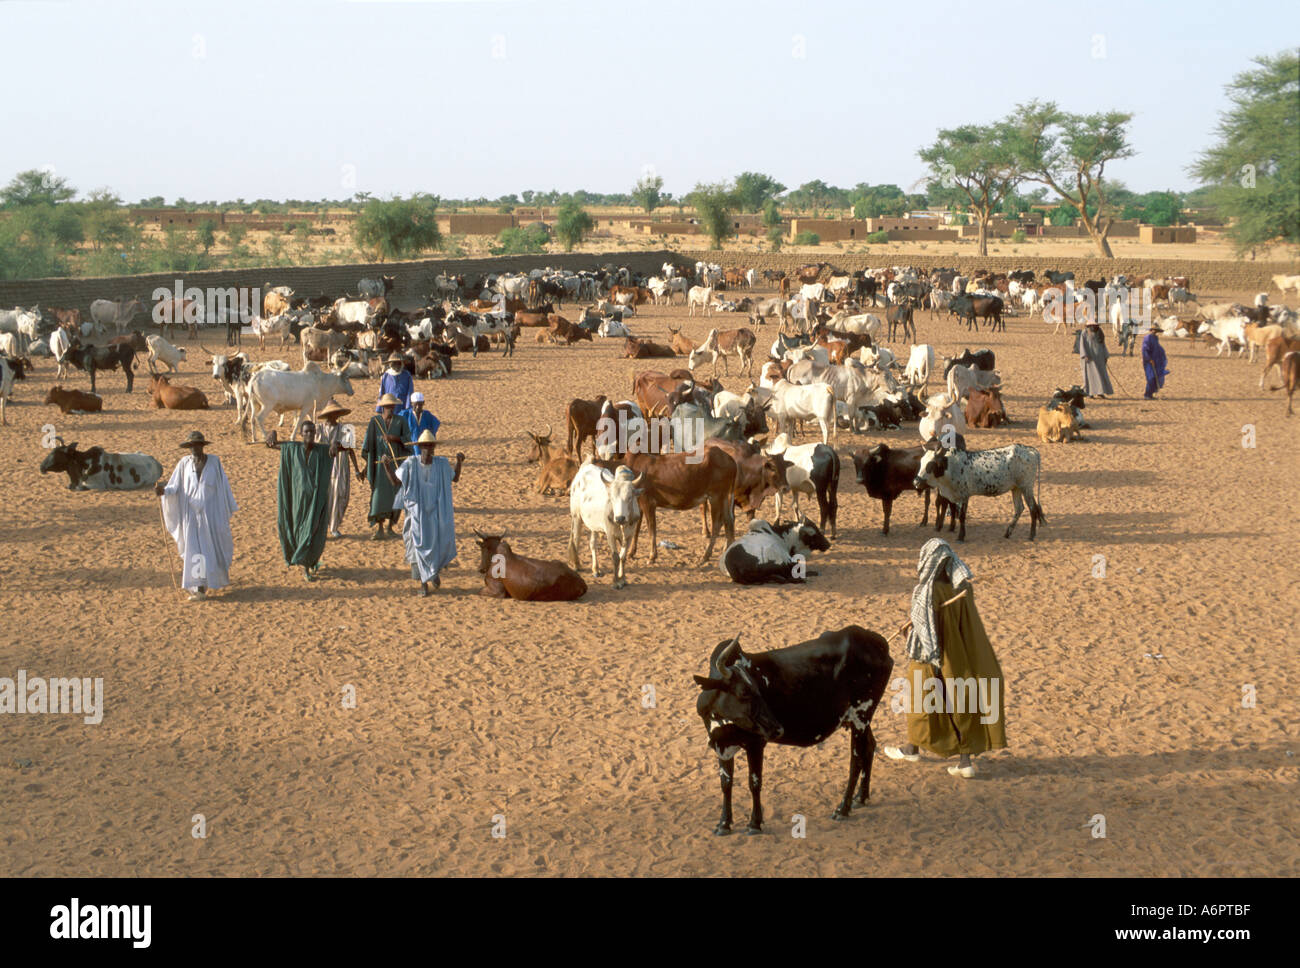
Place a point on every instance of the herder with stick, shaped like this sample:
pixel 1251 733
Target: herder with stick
pixel 955 707
pixel 386 436
pixel 303 497
pixel 423 486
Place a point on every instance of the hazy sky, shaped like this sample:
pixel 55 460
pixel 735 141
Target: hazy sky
pixel 282 99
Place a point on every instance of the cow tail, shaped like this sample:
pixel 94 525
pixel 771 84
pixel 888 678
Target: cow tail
pixel 1038 489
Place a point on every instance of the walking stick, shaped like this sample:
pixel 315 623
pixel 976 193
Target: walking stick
pixel 960 595
pixel 171 570
pixel 1110 374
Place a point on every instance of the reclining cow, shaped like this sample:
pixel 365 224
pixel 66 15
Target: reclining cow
pixel 99 470
pixel 508 575
pixel 773 553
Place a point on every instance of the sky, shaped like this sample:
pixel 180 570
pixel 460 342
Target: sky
pixel 299 99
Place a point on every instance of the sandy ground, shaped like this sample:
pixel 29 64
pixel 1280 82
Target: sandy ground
pixel 470 708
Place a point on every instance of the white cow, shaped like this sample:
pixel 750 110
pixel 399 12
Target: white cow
pixel 920 361
pixel 1226 331
pixel 21 323
pixel 606 502
pixel 352 310
pixel 161 351
pixel 813 290
pixel 862 324
pixel 118 313
pixel 1287 282
pixel 942 411
pixel 963 379
pixel 701 296
pixel 813 402
pixel 281 391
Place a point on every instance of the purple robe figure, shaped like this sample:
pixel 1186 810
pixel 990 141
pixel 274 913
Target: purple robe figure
pixel 1153 362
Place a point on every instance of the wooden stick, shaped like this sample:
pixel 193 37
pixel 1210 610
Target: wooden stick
pixel 960 595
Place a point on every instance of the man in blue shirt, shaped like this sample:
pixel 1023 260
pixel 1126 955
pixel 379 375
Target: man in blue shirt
pixel 419 419
pixel 397 381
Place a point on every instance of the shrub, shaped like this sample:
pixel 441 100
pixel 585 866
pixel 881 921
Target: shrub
pixel 807 238
pixel 528 240
pixel 1018 235
pixel 881 236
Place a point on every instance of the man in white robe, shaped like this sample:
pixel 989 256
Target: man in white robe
pixel 423 486
pixel 197 503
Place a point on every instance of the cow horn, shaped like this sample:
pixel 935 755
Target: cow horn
pixel 477 533
pixel 548 430
pixel 636 482
pixel 731 653
pixel 206 350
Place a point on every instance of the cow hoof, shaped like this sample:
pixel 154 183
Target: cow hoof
pixel 840 814
pixel 722 830
pixel 752 830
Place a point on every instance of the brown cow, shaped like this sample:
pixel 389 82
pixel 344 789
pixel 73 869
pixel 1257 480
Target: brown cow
pixel 176 397
pixel 643 349
pixel 582 417
pixel 758 475
pixel 1274 350
pixel 70 401
pixel 680 482
pixel 274 304
pixel 533 318
pixel 65 317
pixel 1290 377
pixel 650 389
pixel 640 296
pixel 984 408
pixel 682 345
pixel 540 451
pixel 508 575
pixel 557 474
pixel 562 329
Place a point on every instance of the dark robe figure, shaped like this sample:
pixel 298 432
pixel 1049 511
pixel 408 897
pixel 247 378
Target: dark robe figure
pixel 386 434
pixel 1090 345
pixel 303 498
pixel 1153 363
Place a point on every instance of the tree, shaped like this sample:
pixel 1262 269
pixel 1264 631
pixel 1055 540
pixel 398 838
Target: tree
pixel 1254 167
pixel 714 203
pixel 35 187
pixel 530 239
pixel 105 223
pixel 1069 153
pixel 754 190
pixel 572 223
pixel 977 165
pixel 1063 214
pixel 398 228
pixel 207 235
pixel 648 192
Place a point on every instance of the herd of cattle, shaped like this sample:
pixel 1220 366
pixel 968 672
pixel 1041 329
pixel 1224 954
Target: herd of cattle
pixel 679 440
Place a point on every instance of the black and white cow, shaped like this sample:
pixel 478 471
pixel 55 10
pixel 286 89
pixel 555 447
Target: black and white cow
pixel 959 474
pixel 766 553
pixel 809 469
pixel 978 360
pixel 796 696
pixel 99 470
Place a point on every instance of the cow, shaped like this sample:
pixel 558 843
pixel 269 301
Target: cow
pixel 809 469
pixel 161 351
pixel 701 296
pixel 1290 365
pixel 768 553
pixel 681 482
pixel 1285 282
pixel 167 396
pixel 1274 352
pixel 320 345
pixel 1059 425
pixel 74 401
pixel 110 357
pixel 99 470
pixel 508 575
pixel 644 349
pixel 959 474
pixel 978 360
pixel 284 391
pixel 920 362
pixel 731 342
pixel 941 412
pixel 11 368
pixel 971 309
pixel 963 379
pixel 118 313
pixel 372 289
pixel 582 417
pixel 682 345
pixel 813 402
pixel 274 303
pixel 888 472
pixel 984 408
pixel 796 696
pixel 557 473
pixel 901 315
pixel 606 502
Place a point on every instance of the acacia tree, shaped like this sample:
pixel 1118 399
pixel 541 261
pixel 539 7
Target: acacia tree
pixel 754 190
pixel 714 203
pixel 398 228
pixel 977 165
pixel 1068 153
pixel 572 223
pixel 648 192
pixel 1254 167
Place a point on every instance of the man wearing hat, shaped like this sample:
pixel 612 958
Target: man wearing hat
pixel 396 382
pixel 423 485
pixel 1090 345
pixel 1154 362
pixel 330 433
pixel 196 504
pixel 386 435
pixel 302 498
pixel 418 420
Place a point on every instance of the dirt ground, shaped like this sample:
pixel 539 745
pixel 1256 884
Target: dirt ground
pixel 1124 693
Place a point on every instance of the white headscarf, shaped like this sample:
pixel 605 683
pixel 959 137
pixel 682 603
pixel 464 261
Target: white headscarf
pixel 937 561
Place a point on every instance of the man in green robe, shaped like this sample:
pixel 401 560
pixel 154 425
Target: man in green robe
pixel 303 499
pixel 386 434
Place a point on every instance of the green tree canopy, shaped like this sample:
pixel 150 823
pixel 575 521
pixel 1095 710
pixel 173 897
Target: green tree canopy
pixel 714 204
pixel 572 223
pixel 754 190
pixel 398 228
pixel 975 166
pixel 35 187
pixel 1253 168
pixel 648 192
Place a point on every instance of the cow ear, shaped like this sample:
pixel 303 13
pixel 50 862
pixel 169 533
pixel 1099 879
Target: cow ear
pixel 709 683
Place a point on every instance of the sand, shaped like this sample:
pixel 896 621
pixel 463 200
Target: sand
pixel 1124 693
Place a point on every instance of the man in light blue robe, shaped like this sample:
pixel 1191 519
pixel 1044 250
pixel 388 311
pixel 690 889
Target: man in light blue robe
pixel 423 485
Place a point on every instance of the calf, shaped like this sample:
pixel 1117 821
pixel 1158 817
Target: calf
pixel 644 349
pixel 682 345
pixel 960 474
pixel 607 504
pixel 508 575
pixel 796 696
pixel 177 397
pixel 1275 351
pixel 979 360
pixel 1057 425
pixel 731 342
pixel 984 408
pixel 557 474
pixel 582 417
pixel 773 554
pixel 74 401
pixel 540 451
pixel 161 351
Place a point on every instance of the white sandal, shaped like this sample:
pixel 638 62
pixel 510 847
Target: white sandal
pixel 894 753
pixel 965 772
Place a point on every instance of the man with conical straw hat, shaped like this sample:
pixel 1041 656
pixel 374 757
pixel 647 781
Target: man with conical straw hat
pixel 329 433
pixel 954 695
pixel 196 506
pixel 423 484
pixel 386 436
